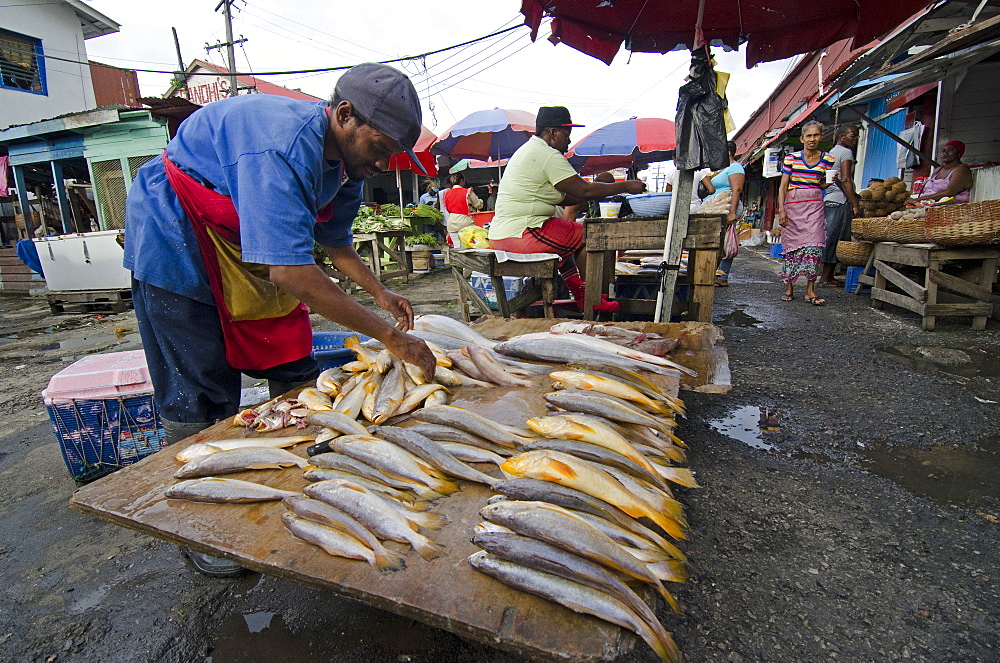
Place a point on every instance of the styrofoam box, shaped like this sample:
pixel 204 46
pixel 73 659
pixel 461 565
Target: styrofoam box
pixel 103 413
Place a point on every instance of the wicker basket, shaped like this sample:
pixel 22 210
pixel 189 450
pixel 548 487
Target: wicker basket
pixel 859 229
pixel 854 254
pixel 968 224
pixel 885 229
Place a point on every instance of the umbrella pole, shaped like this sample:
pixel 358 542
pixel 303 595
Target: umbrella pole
pixel 677 223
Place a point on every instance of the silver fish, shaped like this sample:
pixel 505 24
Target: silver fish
pixel 550 559
pixel 323 513
pixel 238 460
pixel 325 474
pixel 594 453
pixel 493 370
pixel 192 451
pixel 390 395
pixel 442 433
pixel 391 459
pixel 464 363
pixel 470 454
pixel 532 490
pixel 577 597
pixel 217 489
pixel 336 421
pixel 559 350
pixel 440 324
pixel 333 541
pixel 431 452
pixel 384 521
pixel 608 407
pixel 469 421
pixel 338 461
pixel 560 527
pixel 416 515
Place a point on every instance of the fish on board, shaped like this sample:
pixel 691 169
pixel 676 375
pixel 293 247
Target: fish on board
pixel 470 454
pixel 541 556
pixel 192 451
pixel 330 381
pixel 415 514
pixel 417 395
pixel 590 382
pixel 225 491
pixel 443 433
pixel 382 520
pixel 595 454
pixel 492 370
pixel 336 421
pixel 333 541
pixel 397 462
pixel 314 399
pixel 432 453
pixel 591 479
pixel 534 490
pixel 457 417
pixel 321 512
pixel 608 407
pixel 318 474
pixel 578 598
pixel 338 461
pixel 603 346
pixel 390 395
pixel 562 528
pixel 239 460
pixel 446 326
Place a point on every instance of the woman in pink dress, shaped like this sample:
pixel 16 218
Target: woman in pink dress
pixel 951 179
pixel 801 213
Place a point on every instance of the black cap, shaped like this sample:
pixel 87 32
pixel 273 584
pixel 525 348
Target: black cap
pixel 387 99
pixel 553 116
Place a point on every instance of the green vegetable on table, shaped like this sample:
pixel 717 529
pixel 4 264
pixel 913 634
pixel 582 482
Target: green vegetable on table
pixel 428 239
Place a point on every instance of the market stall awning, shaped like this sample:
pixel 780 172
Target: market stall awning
pixel 773 29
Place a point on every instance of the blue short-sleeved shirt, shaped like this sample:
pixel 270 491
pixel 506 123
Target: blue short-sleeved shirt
pixel 721 181
pixel 264 152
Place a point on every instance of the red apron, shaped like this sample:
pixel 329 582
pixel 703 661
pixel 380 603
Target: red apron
pixel 274 328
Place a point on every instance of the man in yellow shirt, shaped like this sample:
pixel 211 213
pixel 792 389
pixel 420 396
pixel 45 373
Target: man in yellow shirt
pixel 537 179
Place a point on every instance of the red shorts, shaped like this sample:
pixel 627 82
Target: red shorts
pixel 554 236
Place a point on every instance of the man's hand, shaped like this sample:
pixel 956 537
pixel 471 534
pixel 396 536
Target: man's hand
pixel 857 210
pixel 399 307
pixel 411 349
pixel 635 186
pixel 732 217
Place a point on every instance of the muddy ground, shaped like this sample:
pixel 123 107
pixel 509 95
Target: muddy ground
pixel 859 525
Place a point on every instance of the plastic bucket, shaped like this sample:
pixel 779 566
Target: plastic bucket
pixel 609 210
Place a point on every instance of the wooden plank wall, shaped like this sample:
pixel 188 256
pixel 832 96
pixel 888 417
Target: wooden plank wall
pixel 974 117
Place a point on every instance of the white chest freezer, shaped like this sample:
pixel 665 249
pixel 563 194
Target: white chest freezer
pixel 83 261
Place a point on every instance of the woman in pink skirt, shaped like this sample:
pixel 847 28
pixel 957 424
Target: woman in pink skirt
pixel 801 214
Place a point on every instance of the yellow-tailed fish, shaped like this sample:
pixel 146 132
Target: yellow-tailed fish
pixel 586 381
pixel 589 478
pixel 314 399
pixel 205 448
pixel 574 426
pixel 365 355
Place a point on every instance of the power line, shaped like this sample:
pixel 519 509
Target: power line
pixel 283 73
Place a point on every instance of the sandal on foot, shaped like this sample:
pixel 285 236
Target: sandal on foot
pixel 787 298
pixel 816 301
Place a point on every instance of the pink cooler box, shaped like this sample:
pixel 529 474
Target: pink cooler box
pixel 103 414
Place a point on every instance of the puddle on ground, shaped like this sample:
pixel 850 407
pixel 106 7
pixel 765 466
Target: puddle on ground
pixel 945 475
pixel 738 318
pixel 749 424
pixel 263 637
pixel 971 363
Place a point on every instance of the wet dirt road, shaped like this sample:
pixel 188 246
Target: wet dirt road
pixel 848 509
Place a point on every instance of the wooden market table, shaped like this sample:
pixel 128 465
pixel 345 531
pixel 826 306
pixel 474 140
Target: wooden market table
pixel 604 238
pixel 967 295
pixel 384 246
pixel 446 592
pixel 484 261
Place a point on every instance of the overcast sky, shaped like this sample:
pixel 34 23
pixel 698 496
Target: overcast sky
pixel 506 72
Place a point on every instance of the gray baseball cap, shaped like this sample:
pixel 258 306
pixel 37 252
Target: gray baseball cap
pixel 387 99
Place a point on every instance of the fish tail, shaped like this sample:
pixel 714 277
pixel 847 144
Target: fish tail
pixel 669 570
pixel 425 493
pixel 669 525
pixel 668 597
pixel 660 642
pixel 430 520
pixel 675 453
pixel 426 548
pixel 445 487
pixel 676 440
pixel 387 561
pixel 680 475
pixel 417 505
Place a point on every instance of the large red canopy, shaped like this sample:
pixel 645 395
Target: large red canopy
pixel 774 29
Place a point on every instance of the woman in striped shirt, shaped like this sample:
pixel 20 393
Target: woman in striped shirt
pixel 801 214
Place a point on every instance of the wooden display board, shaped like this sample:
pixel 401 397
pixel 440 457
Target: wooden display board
pixel 446 592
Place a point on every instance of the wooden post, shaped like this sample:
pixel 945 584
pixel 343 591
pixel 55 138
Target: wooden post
pixel 61 198
pixel 22 198
pixel 677 226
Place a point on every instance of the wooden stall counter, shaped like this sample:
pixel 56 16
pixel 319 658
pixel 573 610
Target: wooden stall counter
pixel 604 238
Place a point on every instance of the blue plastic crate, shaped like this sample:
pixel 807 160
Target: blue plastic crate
pixel 851 284
pixel 99 436
pixel 776 251
pixel 513 286
pixel 329 350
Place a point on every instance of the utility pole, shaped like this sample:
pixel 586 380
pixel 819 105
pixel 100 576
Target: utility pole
pixel 227 13
pixel 182 71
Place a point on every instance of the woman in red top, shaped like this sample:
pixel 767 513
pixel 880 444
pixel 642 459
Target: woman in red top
pixel 459 203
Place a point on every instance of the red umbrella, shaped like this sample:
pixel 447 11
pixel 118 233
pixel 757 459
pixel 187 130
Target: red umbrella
pixel 402 161
pixel 630 143
pixel 775 29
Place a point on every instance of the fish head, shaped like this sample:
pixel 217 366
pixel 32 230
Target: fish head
pixel 556 426
pixel 538 465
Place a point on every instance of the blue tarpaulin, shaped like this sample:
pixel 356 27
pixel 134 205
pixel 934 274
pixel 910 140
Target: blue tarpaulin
pixel 28 254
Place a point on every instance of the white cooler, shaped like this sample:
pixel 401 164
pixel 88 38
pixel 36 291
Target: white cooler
pixel 83 261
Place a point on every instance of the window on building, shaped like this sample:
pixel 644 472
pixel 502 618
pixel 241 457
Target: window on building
pixel 21 66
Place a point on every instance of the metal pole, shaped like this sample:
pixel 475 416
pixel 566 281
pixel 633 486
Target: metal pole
pixel 230 51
